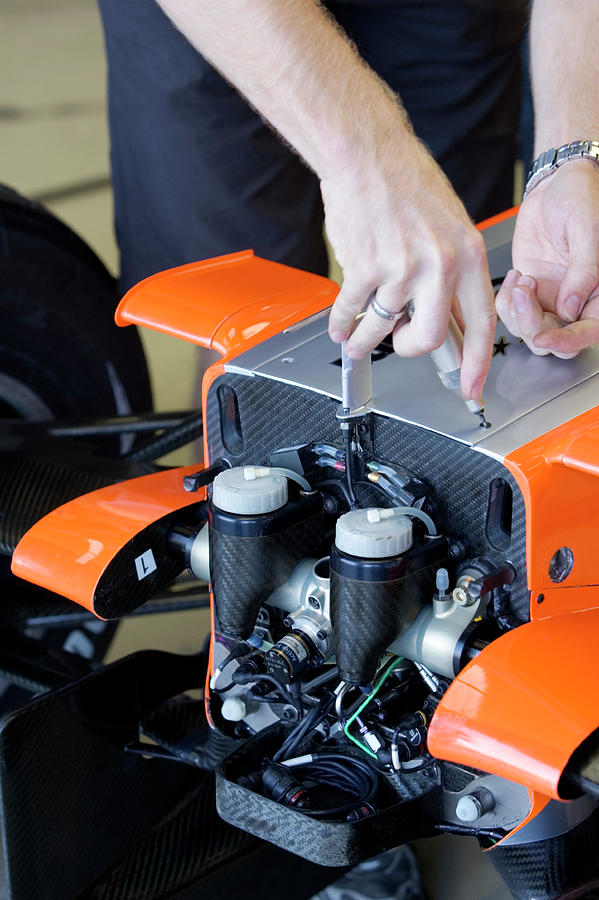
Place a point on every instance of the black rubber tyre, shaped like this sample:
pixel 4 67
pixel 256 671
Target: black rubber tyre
pixel 61 354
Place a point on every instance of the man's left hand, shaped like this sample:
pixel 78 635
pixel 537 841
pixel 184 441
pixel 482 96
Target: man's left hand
pixel 551 297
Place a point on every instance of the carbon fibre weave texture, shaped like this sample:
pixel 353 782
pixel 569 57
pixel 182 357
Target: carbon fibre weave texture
pixel 187 844
pixel 180 726
pixel 368 616
pixel 68 792
pixel 559 867
pixel 404 811
pixel 30 488
pixel 273 414
pixel 119 589
pixel 190 851
pixel 249 569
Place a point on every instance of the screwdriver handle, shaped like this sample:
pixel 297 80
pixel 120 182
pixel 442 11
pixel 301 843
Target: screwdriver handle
pixel 448 357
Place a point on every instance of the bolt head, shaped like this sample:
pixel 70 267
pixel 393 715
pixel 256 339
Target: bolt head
pixel 457 550
pixel 331 506
pixel 462 597
pixel 468 808
pixel 314 602
pixel 321 634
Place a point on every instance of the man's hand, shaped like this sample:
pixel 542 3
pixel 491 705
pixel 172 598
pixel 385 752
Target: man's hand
pixel 392 218
pixel 551 297
pixel 398 228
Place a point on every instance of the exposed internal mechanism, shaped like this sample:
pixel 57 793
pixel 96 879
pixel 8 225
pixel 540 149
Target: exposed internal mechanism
pixel 338 627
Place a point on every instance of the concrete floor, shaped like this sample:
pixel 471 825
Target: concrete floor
pixel 55 148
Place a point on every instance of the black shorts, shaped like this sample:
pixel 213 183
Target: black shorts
pixel 197 173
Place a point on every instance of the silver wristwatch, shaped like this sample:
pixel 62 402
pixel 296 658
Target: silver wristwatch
pixel 552 159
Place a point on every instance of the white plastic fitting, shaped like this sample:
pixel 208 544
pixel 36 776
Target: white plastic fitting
pixel 374 533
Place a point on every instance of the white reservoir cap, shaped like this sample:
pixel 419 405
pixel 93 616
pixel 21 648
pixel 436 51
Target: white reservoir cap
pixel 233 709
pixel 373 533
pixel 249 490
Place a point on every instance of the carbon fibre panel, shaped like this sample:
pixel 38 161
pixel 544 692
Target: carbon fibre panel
pixel 274 414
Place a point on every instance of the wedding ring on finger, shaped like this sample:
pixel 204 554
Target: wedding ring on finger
pixel 382 312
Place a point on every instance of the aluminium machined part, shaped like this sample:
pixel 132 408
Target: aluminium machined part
pixel 434 635
pixel 199 555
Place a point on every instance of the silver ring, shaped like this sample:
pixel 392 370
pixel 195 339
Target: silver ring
pixel 382 312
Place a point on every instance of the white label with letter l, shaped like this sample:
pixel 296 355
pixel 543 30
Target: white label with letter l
pixel 145 564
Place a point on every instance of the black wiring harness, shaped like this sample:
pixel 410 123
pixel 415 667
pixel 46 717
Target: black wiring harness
pixel 299 783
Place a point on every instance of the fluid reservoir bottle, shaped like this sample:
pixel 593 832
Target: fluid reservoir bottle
pixel 380 579
pixel 260 526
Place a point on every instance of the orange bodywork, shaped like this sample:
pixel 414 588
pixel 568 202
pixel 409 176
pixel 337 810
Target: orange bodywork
pixel 500 217
pixel 523 706
pixel 526 702
pixel 69 549
pixel 558 474
pixel 229 303
pixel 505 712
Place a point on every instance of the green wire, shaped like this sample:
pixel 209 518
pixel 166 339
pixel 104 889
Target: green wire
pixel 393 665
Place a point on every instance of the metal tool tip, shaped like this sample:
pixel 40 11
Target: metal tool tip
pixel 483 420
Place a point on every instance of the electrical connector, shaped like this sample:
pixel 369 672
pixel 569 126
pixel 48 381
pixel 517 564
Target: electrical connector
pixel 243 648
pixel 371 739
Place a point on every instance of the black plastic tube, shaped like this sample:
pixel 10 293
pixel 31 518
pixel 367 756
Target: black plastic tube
pixel 175 437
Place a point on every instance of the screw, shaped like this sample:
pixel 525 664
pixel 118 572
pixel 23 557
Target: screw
pixel 461 596
pixel 321 634
pixel 289 713
pixel 331 506
pixel 456 550
pixel 288 622
pixel 314 602
pixel 540 598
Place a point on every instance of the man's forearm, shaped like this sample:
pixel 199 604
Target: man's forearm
pixel 293 63
pixel 565 71
pixel 393 219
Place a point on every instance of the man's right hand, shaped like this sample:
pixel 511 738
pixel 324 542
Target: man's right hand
pixel 398 228
pixel 394 222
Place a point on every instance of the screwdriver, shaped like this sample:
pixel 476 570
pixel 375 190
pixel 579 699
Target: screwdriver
pixel 448 361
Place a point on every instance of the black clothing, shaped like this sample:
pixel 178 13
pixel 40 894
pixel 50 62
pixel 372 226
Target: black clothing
pixel 197 173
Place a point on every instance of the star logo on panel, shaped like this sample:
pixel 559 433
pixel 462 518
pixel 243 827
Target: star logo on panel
pixel 500 346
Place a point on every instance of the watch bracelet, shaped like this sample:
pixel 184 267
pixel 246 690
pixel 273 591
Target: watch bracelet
pixel 551 160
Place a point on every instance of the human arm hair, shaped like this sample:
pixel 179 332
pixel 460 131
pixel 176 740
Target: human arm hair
pixel 392 218
pixel 564 37
pixel 297 67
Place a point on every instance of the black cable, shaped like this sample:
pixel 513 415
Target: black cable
pixel 288 698
pixel 347 774
pixel 347 439
pixel 102 426
pixel 221 690
pixel 308 723
pixel 190 428
pixel 474 832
